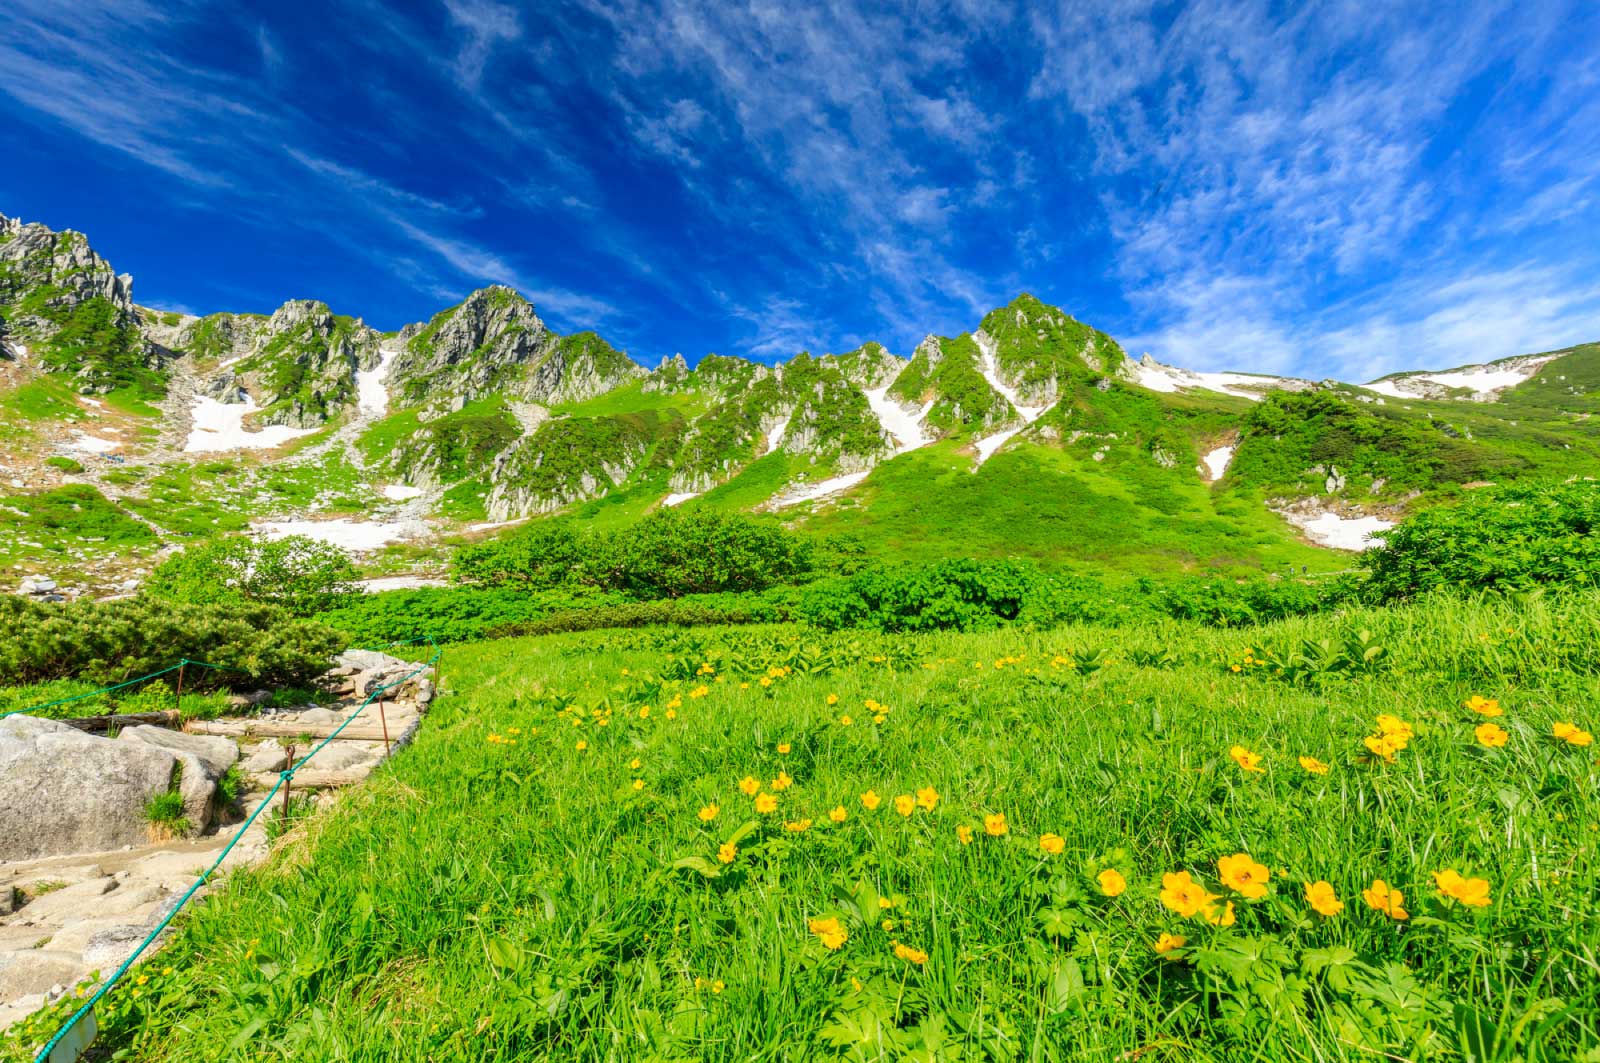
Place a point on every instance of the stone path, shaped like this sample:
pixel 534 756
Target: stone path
pixel 65 918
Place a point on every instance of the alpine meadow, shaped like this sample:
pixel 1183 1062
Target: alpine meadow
pixel 1162 626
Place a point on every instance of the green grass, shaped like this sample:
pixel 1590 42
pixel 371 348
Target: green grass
pixel 67 516
pixel 1124 514
pixel 531 879
pixel 199 499
pixel 40 399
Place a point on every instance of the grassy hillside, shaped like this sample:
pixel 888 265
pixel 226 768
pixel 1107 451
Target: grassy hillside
pixel 1080 845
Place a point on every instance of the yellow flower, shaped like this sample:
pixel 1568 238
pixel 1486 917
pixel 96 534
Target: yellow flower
pixel 672 714
pixel 799 826
pixel 887 924
pixel 885 903
pixel 782 782
pixel 1112 884
pixel 783 749
pixel 838 814
pixel 1231 668
pixel 1246 760
pixel 1219 916
pixel 726 852
pixel 1491 735
pixel 582 745
pixel 700 691
pixel 879 718
pixel 927 798
pixel 905 804
pixel 1313 765
pixel 634 763
pixel 964 833
pixel 1182 894
pixel 765 681
pixel 750 785
pixel 1169 942
pixel 845 720
pixel 644 712
pixel 1396 729
pixel 911 955
pixel 1322 899
pixel 831 932
pixel 718 986
pixel 1570 734
pixel 638 784
pixel 1484 706
pixel 1243 875
pixel 766 803
pixel 833 699
pixel 709 812
pixel 1052 843
pixel 141 980
pixel 1381 898
pixel 995 825
pixel 1473 892
pixel 871 800
pixel 1383 746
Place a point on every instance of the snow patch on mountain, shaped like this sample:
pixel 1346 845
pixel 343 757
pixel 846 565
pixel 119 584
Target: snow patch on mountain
pixel 372 397
pixel 220 426
pixel 903 426
pixel 990 368
pixel 775 437
pixel 820 489
pixel 678 498
pixel 400 492
pixel 1484 381
pixel 1340 532
pixel 1217 462
pixel 1151 374
pixel 93 444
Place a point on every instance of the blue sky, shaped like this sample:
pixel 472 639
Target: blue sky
pixel 1337 189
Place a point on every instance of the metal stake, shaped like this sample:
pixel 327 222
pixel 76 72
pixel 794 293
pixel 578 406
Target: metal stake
pixel 288 781
pixel 177 696
pixel 383 718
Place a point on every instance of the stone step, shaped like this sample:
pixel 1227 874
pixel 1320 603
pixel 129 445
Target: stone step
pixel 316 780
pixel 363 729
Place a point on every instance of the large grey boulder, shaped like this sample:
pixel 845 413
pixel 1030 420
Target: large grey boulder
pixel 36 971
pixel 215 752
pixel 64 791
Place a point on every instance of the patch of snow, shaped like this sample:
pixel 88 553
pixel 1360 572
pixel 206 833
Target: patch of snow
pixel 220 426
pixel 820 489
pixel 1341 533
pixel 678 498
pixel 1484 381
pixel 903 426
pixel 400 583
pixel 235 360
pixel 1029 414
pixel 372 395
pixel 400 492
pixel 96 403
pixel 775 437
pixel 1217 462
pixel 1151 374
pixel 343 532
pixel 93 444
pixel 1387 387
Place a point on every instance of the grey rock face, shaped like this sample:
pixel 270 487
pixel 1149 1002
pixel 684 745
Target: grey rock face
pixel 216 753
pixel 64 791
pixel 33 255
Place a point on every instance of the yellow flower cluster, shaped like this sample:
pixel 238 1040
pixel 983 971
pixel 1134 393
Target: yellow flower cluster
pixel 1390 737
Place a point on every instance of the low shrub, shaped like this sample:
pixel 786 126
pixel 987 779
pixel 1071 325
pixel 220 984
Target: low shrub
pixel 1503 538
pixel 944 595
pixel 704 610
pixel 108 642
pixel 454 614
pixel 298 573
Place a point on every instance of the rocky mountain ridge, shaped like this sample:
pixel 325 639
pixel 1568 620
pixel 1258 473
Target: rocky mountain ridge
pixel 483 414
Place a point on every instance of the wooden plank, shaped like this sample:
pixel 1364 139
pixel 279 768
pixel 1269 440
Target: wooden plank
pixel 96 724
pixel 367 731
pixel 313 780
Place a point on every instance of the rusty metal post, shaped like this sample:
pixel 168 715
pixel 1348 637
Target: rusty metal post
pixel 383 718
pixel 177 696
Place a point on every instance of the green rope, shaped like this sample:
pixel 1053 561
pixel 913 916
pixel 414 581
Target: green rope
pixel 119 686
pixel 283 777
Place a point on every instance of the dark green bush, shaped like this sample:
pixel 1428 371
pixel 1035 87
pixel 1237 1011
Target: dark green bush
pixel 962 595
pixel 1497 538
pixel 668 554
pixel 697 611
pixel 453 614
pixel 300 574
pixel 107 642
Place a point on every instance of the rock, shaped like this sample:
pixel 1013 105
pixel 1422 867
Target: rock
pixel 67 902
pixel 217 753
pixel 366 661
pixel 339 756
pixel 65 791
pixel 199 789
pixel 37 971
pixel 106 949
pixel 37 585
pixel 8 899
pixel 266 757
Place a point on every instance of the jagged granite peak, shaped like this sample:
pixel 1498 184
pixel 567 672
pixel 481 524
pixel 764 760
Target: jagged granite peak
pixel 1039 348
pixel 62 302
pixel 828 416
pixel 673 374
pixel 493 343
pixel 946 375
pixel 870 366
pixel 727 375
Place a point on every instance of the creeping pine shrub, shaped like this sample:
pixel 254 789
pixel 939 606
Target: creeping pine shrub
pixel 1504 538
pixel 108 642
pixel 667 554
pixel 944 595
pixel 298 573
pixel 456 614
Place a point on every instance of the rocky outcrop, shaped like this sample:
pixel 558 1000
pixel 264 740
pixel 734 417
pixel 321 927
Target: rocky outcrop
pixel 869 366
pixel 493 343
pixel 64 791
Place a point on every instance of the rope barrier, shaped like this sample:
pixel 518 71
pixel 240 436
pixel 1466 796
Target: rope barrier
pixel 106 690
pixel 284 777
